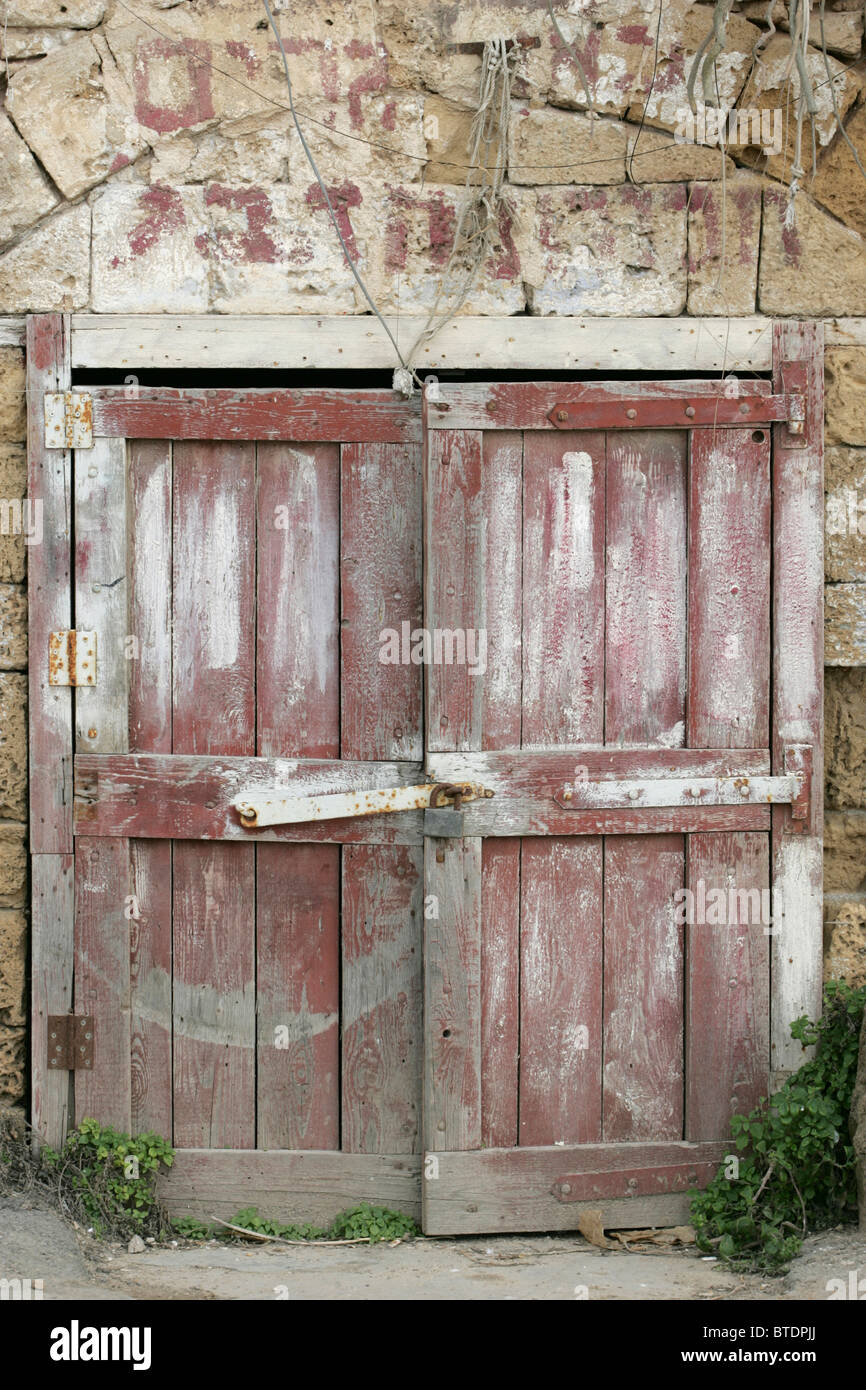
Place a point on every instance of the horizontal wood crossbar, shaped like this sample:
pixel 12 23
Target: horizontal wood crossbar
pixel 527 789
pixel 310 1185
pixel 306 416
pixel 609 405
pixel 543 1189
pixel 182 796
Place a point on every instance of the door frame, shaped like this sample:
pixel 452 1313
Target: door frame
pixel 56 342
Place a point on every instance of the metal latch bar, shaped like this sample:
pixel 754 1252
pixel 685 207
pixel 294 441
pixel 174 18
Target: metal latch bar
pixel 677 791
pixel 277 807
pixel 70 1042
pixel 68 420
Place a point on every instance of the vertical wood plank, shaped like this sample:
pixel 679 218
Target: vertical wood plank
pixel 798 693
pixel 502 510
pixel 727 981
pixel 49 597
pixel 646 589
pixel 454 559
pixel 102 594
pixel 382 998
pixel 729 589
pixel 298 886
pixel 213 890
pixel 560 990
pixel 102 978
pixel 563 589
pixel 643 988
pixel 298 659
pixel 103 882
pixel 148 658
pixel 52 917
pixel 298 1010
pixel 500 991
pixel 380 569
pixel 214 996
pixel 452 995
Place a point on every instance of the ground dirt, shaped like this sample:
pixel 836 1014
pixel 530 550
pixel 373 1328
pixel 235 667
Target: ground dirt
pixel 36 1243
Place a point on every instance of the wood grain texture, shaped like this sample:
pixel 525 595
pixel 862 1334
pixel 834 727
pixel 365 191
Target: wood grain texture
pixel 727 983
pixel 454 560
pixel 52 911
pixel 380 568
pixel 599 405
pixel 298 660
pixel 500 991
pixel 646 589
pixel 729 589
pixel 297 1187
pixel 102 594
pixel 102 978
pixel 518 343
pixel 798 592
pixel 643 989
pixel 452 995
pixel 298 999
pixel 147 654
pixel 515 1189
pixel 214 996
pixel 563 589
pixel 381 999
pixel 560 991
pixel 190 797
pixel 49 593
pixel 502 508
pixel 160 412
pixel 213 712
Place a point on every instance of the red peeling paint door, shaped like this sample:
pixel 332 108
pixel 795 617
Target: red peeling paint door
pixel 622 589
pixel 645 565
pixel 255 993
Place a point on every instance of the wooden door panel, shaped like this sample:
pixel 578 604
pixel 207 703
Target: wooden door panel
pixel 645 647
pixel 298 609
pixel 643 988
pixel 727 982
pixel 380 584
pixel 382 983
pixel 561 898
pixel 298 996
pixel 640 569
pixel 563 589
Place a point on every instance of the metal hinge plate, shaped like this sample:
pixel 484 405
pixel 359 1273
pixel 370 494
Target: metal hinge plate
pixel 68 420
pixel 70 1042
pixel 71 657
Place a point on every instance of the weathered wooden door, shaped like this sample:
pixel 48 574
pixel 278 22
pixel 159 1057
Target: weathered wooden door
pixel 647 571
pixel 316 1011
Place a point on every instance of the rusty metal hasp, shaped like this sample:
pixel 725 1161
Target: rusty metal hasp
pixel 278 807
pixel 68 420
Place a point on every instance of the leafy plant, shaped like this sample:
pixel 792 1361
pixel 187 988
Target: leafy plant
pixel 362 1222
pixel 797 1170
pixel 190 1228
pixel 113 1176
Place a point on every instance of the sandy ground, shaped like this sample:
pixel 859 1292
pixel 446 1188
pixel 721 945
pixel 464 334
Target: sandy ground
pixel 36 1244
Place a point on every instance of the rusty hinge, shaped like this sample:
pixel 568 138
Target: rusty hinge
pixel 70 1042
pixel 71 657
pixel 68 420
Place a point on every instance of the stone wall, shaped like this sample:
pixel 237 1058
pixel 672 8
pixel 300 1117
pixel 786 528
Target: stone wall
pixel 148 164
